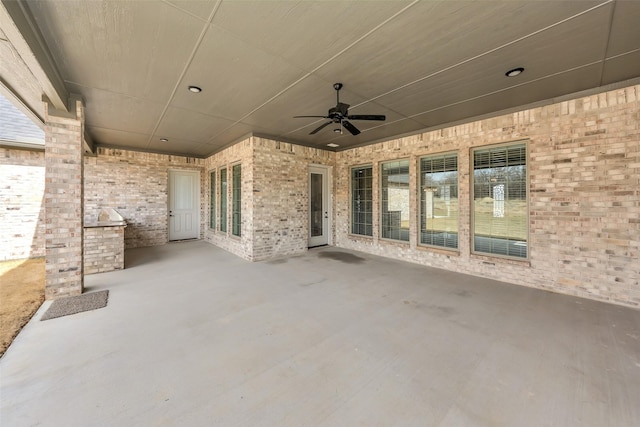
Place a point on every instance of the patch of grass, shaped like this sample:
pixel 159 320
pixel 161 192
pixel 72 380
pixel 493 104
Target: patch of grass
pixel 21 294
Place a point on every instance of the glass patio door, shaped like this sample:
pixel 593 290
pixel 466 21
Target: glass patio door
pixel 318 206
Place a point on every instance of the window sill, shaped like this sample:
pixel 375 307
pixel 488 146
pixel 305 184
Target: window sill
pixel 359 236
pixel 401 243
pixel 497 259
pixel 439 250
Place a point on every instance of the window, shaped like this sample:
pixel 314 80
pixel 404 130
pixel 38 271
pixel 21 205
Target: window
pixel 439 200
pixel 236 206
pixel 223 199
pixel 212 201
pixel 500 200
pixel 395 200
pixel 362 201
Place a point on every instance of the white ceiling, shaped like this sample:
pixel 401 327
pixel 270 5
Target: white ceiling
pixel 259 63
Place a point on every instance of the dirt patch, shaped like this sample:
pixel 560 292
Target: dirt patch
pixel 21 294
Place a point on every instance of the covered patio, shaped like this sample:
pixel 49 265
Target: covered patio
pixel 193 335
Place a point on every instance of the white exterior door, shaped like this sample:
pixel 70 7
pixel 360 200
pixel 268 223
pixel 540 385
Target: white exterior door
pixel 319 221
pixel 184 204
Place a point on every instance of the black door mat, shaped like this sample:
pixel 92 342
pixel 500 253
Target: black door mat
pixel 78 304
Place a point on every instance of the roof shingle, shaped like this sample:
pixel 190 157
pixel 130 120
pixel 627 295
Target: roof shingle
pixel 15 126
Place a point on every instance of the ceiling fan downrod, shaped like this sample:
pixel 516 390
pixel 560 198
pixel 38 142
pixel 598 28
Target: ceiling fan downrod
pixel 337 87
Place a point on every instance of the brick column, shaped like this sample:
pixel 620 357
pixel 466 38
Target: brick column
pixel 64 199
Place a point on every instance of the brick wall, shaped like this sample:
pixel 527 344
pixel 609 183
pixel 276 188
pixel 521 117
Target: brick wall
pixel 240 153
pixel 281 202
pixel 21 204
pixel 136 185
pixel 584 192
pixel 274 204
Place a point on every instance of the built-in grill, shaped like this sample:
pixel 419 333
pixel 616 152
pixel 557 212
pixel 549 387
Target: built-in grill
pixel 110 217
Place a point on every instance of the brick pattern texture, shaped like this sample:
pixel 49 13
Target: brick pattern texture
pixel 22 222
pixel 63 203
pixel 103 249
pixel 240 153
pixel 275 206
pixel 281 196
pixel 136 185
pixel 584 192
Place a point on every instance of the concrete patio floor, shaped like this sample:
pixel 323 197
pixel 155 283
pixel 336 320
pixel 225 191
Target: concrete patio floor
pixel 194 336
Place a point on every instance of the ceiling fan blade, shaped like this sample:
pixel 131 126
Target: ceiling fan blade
pixel 320 128
pixel 319 117
pixel 351 128
pixel 367 117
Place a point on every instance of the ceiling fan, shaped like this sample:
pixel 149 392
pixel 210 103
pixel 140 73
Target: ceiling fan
pixel 340 114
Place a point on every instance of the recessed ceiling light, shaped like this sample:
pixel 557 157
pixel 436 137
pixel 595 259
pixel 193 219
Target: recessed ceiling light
pixel 164 139
pixel 514 72
pixel 337 130
pixel 195 89
pixel 332 145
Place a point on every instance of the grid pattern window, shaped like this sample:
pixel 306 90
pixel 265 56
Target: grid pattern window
pixel 395 213
pixel 236 205
pixel 500 200
pixel 362 201
pixel 212 201
pixel 223 199
pixel 439 200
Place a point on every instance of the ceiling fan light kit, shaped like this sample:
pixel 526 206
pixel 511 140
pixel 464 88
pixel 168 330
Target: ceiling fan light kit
pixel 340 115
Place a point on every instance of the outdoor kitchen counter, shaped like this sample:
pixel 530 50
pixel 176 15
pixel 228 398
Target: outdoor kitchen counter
pixel 106 224
pixel 104 246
